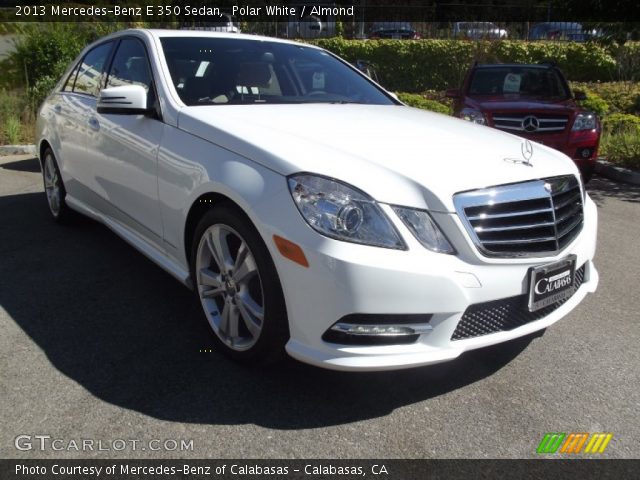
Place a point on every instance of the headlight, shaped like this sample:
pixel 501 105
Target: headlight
pixel 585 121
pixel 424 229
pixel 472 115
pixel 340 211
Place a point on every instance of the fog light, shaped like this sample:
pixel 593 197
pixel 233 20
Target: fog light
pixel 378 329
pixel 585 152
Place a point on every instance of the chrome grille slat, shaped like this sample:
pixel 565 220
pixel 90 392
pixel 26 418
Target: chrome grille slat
pixel 575 209
pixel 528 219
pixel 520 241
pixel 513 227
pixel 567 229
pixel 489 216
pixel 570 200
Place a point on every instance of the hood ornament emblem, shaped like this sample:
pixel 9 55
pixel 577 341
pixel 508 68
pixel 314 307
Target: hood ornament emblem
pixel 526 148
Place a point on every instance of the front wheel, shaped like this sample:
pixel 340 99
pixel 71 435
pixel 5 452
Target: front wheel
pixel 238 287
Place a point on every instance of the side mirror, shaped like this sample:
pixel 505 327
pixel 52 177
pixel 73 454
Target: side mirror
pixel 125 100
pixel 579 95
pixel 452 93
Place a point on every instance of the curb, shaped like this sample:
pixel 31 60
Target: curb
pixel 17 149
pixel 620 174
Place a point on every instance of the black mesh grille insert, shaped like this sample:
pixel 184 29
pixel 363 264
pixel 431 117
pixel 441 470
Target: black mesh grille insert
pixel 505 314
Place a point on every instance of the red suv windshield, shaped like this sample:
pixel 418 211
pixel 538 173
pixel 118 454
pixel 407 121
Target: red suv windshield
pixel 538 82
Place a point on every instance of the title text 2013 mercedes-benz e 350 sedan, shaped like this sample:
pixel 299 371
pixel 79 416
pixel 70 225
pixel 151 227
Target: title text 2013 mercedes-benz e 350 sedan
pixel 309 209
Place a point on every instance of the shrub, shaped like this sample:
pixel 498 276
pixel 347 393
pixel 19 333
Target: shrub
pixel 595 103
pixel 621 122
pixel 12 130
pixel 621 97
pixel 622 148
pixel 418 101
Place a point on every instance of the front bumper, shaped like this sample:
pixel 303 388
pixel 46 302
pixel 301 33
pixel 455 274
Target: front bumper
pixel 344 279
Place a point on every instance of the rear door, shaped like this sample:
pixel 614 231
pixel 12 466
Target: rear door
pixel 73 109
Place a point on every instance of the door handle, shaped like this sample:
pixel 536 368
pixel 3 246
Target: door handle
pixel 93 123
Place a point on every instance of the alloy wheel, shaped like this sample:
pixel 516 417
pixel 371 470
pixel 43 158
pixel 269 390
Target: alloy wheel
pixel 52 185
pixel 230 287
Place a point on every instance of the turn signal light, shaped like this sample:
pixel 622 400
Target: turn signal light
pixel 290 250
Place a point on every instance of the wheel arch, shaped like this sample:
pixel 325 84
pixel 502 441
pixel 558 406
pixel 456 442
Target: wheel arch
pixel 44 144
pixel 199 207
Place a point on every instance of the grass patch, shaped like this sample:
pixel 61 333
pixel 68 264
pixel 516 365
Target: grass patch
pixel 17 119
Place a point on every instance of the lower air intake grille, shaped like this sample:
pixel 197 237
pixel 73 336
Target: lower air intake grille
pixel 505 314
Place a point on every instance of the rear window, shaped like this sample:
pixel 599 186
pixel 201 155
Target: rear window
pixel 520 81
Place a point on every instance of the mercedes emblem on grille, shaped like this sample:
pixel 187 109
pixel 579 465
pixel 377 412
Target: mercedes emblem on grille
pixel 530 123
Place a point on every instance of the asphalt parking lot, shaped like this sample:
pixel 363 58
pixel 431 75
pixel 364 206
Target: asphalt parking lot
pixel 96 342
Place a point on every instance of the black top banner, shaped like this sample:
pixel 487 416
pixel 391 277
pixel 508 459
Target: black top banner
pixel 289 10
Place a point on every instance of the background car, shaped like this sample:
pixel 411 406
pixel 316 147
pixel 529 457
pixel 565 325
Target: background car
pixel 478 31
pixel 393 30
pixel 226 23
pixel 532 101
pixel 568 31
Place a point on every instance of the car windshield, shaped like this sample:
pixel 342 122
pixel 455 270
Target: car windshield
pixel 518 81
pixel 220 71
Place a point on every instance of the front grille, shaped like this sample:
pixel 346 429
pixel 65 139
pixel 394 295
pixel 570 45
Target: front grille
pixel 529 219
pixel 504 315
pixel 526 123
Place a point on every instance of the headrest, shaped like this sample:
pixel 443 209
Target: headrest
pixel 254 75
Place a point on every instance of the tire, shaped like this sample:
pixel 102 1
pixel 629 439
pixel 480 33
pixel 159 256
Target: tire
pixel 244 306
pixel 587 174
pixel 54 188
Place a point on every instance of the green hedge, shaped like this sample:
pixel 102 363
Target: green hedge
pixel 415 66
pixel 621 97
pixel 419 101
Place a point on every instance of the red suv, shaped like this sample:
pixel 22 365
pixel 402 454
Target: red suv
pixel 533 101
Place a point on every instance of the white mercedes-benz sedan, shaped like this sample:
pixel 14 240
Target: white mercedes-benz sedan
pixel 310 211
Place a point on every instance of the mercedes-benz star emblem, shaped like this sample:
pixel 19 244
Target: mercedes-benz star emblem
pixel 530 123
pixel 527 151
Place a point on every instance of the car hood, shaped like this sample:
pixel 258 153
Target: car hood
pixel 396 154
pixel 523 104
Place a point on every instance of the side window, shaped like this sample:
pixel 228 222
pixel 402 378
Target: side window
pixel 68 86
pixel 90 77
pixel 130 66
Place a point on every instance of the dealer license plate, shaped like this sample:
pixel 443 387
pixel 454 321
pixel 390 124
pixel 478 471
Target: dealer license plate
pixel 551 283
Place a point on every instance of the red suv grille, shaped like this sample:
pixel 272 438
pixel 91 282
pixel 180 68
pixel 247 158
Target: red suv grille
pixel 530 123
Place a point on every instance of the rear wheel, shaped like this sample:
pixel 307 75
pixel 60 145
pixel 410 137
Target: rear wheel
pixel 54 188
pixel 238 287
